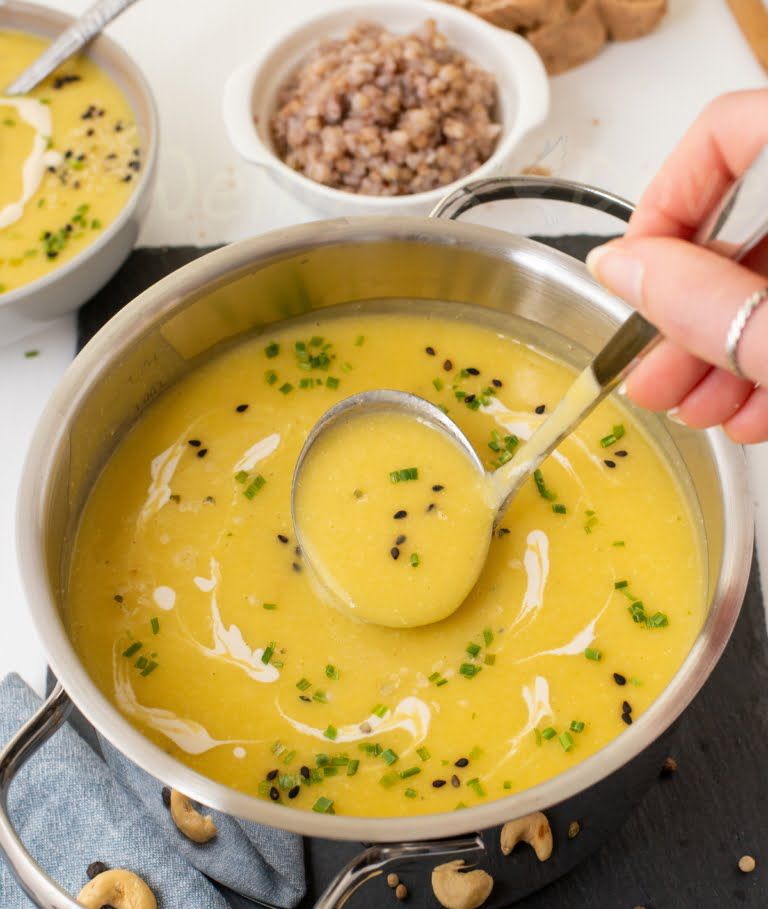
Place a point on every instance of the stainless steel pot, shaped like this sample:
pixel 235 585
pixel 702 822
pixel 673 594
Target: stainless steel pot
pixel 193 313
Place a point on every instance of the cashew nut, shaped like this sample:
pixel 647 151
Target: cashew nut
pixel 533 829
pixel 195 826
pixel 119 888
pixel 456 889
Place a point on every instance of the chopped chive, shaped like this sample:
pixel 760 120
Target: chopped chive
pixel 415 560
pixel 359 340
pixel 257 483
pixel 423 753
pixel 537 736
pixel 286 388
pixel 475 753
pixel 352 767
pixel 476 787
pixel 544 492
pixel 323 805
pixel 507 784
pixel 303 684
pixel 339 760
pixel 241 476
pixel 469 670
pixel 577 726
pixel 332 382
pixel 278 748
pixel 548 733
pixel 331 732
pixel 332 672
pixel 620 585
pixel 270 377
pixel 406 473
pixel 322 759
pixel 272 350
pixel 141 662
pixel 473 649
pixel 270 607
pixel 134 648
pixel 618 543
pixel 289 756
pixel 658 620
pixel 558 508
pixel 389 779
pixel 489 659
pixel 566 740
pixel 320 696
pixel 267 654
pixel 411 771
pixel 438 383
pixel 592 654
pixel 149 668
pixel 487 636
pixel 590 522
pixel 380 710
pixel 155 625
pixel 410 793
pixel 389 756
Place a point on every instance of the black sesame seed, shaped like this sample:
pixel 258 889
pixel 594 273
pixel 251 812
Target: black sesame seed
pixel 438 784
pixel 274 794
pixel 118 598
pixel 68 154
pixel 51 169
pixel 430 351
pixel 496 383
pixel 95 868
pixel 399 515
pixel 503 531
pixel 431 507
pixel 241 408
pixel 609 463
pixel 282 537
pixel 469 399
pixel 89 132
pixel 272 774
pixel 209 500
pixel 305 773
pixel 166 795
pixel 81 157
pixel 472 371
pixel 626 707
pixel 438 487
pixel 296 567
pixel 447 366
pixel 395 553
pixel 627 718
pixel 621 453
pixel 293 792
pixel 134 165
pixel 400 539
pixel 297 550
pixel 462 762
pixel 303 697
pixel 195 443
pixel 540 408
pixel 619 678
pixel 455 781
pixel 202 453
pixel 127 178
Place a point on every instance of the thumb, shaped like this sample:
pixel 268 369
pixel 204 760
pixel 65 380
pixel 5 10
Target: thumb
pixel 690 294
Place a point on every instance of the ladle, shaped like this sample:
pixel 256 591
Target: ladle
pixel 732 230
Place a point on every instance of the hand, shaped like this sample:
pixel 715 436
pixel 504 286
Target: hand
pixel 692 294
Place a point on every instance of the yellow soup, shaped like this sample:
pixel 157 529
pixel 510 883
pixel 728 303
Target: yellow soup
pixel 70 156
pixel 192 609
pixel 398 547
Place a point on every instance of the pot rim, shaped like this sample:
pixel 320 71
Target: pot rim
pixel 119 62
pixel 219 267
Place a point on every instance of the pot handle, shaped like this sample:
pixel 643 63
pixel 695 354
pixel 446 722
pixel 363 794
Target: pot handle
pixel 32 879
pixel 374 860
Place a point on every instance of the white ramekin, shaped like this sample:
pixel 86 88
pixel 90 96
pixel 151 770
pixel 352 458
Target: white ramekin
pixel 250 92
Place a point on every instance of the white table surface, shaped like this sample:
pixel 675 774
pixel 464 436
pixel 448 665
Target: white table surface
pixel 612 122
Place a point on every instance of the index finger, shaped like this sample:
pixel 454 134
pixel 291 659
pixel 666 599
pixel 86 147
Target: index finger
pixel 718 148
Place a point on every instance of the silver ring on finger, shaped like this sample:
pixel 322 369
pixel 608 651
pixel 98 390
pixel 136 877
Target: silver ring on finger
pixel 736 329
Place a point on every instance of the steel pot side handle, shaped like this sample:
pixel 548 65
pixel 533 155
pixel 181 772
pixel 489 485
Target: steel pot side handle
pixel 32 879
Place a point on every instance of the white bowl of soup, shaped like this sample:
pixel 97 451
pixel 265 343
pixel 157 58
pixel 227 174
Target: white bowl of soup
pixel 79 156
pixel 178 613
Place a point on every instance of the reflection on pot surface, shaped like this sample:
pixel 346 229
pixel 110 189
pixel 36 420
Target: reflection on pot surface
pixel 193 610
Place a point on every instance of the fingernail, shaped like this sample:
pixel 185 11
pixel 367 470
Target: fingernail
pixel 673 416
pixel 618 271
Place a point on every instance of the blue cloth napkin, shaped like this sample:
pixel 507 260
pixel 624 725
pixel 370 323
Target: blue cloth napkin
pixel 71 808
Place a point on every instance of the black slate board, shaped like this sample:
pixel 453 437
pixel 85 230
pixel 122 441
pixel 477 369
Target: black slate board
pixel 680 847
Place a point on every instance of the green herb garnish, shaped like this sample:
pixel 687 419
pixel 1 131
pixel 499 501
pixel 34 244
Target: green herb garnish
pixel 155 625
pixel 272 350
pixel 544 492
pixel 332 672
pixel 592 654
pixel 403 475
pixel 134 648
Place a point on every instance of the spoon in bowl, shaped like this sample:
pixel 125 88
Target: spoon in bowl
pixel 69 42
pixel 735 227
